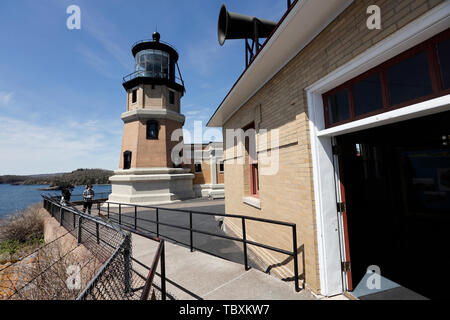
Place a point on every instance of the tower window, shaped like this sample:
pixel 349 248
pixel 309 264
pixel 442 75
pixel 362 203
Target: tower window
pixel 127 160
pixel 198 168
pixel 134 96
pixel 152 130
pixel 221 167
pixel 171 97
pixel 153 63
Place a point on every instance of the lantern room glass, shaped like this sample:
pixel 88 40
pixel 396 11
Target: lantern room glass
pixel 153 64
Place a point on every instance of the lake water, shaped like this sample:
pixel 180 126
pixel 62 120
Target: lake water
pixel 14 198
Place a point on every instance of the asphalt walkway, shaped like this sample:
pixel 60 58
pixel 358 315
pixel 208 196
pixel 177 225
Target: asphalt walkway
pixel 219 275
pixel 220 247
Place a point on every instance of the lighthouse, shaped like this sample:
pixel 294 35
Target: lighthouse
pixel 148 173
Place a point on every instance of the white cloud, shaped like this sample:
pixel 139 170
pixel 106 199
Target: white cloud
pixel 29 148
pixel 6 98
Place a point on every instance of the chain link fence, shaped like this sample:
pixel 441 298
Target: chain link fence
pixel 92 260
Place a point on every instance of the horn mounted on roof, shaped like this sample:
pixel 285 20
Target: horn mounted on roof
pixel 233 25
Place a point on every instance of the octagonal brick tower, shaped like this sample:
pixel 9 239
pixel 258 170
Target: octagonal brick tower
pixel 147 174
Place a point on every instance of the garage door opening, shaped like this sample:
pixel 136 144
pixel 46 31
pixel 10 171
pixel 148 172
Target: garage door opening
pixel 397 193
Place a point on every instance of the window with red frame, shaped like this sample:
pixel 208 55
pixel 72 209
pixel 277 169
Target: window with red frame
pixel 414 76
pixel 254 179
pixel 250 146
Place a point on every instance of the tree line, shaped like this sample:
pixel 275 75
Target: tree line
pixel 74 178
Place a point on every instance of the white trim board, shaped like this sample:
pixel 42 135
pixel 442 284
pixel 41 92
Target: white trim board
pixel 422 109
pixel 423 28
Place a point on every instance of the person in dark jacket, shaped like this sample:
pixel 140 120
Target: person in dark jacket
pixel 65 196
pixel 88 198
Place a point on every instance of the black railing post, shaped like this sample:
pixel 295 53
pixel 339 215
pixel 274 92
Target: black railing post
pixel 163 271
pixel 61 215
pixel 127 263
pixel 135 217
pixel 295 252
pixel 80 221
pixel 74 220
pixel 108 210
pixel 51 209
pixel 120 214
pixel 244 237
pixel 97 229
pixel 190 231
pixel 157 222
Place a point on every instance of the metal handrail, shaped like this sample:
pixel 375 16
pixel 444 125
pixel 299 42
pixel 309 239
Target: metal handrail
pixel 82 215
pixel 243 240
pixel 142 73
pixel 283 223
pixel 97 194
pixel 149 283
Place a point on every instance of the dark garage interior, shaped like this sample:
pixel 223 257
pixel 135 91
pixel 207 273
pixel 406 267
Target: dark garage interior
pixel 397 193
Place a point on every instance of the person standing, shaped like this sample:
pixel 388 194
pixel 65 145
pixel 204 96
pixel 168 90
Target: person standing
pixel 88 198
pixel 65 196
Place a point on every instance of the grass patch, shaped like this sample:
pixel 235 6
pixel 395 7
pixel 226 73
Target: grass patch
pixel 11 250
pixel 21 233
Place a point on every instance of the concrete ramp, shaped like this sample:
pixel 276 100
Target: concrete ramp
pixel 197 276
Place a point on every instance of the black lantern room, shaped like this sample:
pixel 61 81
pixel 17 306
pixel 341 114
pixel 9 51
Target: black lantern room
pixel 156 63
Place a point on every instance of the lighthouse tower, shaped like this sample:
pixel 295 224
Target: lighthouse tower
pixel 148 173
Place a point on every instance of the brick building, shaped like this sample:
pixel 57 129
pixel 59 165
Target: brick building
pixel 205 162
pixel 364 161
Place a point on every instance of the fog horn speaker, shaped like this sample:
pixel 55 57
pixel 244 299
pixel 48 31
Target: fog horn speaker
pixel 238 26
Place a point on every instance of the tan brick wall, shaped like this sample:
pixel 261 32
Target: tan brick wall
pixel 153 97
pixel 157 97
pixel 205 176
pixel 139 98
pixel 149 153
pixel 220 176
pixel 282 104
pixel 129 143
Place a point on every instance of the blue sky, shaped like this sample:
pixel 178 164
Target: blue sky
pixel 61 93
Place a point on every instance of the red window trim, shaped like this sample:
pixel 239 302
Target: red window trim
pixel 430 46
pixel 254 176
pixel 254 179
